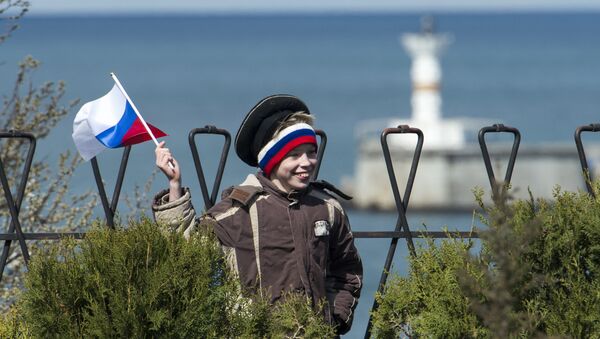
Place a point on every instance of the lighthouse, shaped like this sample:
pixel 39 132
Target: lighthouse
pixel 451 164
pixel 425 48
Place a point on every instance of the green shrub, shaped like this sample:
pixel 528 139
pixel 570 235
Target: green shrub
pixel 567 255
pixel 294 318
pixel 13 326
pixel 48 204
pixel 138 282
pixel 536 275
pixel 429 302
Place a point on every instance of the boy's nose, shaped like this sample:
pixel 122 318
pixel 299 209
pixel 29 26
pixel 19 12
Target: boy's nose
pixel 305 160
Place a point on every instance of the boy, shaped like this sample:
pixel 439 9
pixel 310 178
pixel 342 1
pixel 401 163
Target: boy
pixel 280 231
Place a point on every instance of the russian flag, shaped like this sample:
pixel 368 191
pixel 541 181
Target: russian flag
pixel 109 122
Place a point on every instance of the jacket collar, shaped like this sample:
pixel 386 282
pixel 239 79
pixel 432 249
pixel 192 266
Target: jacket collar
pixel 269 186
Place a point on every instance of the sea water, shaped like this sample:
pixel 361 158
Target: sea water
pixel 539 72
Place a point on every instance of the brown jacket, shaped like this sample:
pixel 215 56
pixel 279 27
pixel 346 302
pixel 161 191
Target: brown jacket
pixel 282 242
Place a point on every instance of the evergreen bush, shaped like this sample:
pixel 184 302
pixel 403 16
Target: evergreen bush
pixel 537 274
pixel 429 302
pixel 139 282
pixel 12 325
pixel 48 205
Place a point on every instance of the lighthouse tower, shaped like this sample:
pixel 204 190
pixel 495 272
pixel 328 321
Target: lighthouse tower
pixel 450 164
pixel 425 49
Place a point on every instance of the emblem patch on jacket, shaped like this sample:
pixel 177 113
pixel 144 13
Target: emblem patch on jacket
pixel 321 228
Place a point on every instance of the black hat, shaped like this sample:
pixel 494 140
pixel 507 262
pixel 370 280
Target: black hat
pixel 261 122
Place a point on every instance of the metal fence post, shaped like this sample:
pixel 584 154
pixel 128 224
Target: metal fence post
pixel 320 153
pixel 14 205
pixel 587 176
pixel 209 201
pixel 401 204
pixel 499 128
pixel 110 209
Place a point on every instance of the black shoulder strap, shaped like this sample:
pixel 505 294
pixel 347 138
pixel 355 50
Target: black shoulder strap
pixel 322 184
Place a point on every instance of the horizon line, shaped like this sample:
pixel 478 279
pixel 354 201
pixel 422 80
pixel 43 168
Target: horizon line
pixel 315 12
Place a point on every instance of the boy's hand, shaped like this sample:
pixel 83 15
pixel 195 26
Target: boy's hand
pixel 169 166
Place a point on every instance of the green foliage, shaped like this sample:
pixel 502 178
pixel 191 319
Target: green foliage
pixel 13 326
pixel 292 318
pixel 47 204
pixel 537 275
pixel 429 301
pixel 567 255
pixel 138 282
pixel 506 270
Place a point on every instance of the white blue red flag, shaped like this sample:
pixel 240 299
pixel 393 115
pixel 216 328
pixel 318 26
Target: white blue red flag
pixel 109 122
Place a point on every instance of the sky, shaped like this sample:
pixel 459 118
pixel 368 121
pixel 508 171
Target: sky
pixel 46 7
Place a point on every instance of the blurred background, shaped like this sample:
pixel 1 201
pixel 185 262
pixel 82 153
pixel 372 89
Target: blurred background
pixel 534 65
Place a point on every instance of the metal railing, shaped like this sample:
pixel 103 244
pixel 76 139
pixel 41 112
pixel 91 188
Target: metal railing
pixel 582 159
pixel 401 230
pixel 209 201
pixel 111 209
pixel 499 128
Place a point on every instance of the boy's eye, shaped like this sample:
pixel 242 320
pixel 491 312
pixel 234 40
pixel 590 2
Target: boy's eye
pixel 300 151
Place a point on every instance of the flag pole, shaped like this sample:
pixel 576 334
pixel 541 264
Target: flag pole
pixel 134 108
pixel 118 83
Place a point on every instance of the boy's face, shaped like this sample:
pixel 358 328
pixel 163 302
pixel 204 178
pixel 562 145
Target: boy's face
pixel 294 171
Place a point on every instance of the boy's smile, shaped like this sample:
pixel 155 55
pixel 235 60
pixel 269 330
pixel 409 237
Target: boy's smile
pixel 294 171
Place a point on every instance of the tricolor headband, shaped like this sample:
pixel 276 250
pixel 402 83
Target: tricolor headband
pixel 286 140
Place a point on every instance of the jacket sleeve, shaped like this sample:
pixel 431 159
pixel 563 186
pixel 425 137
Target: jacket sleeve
pixel 175 216
pixel 344 279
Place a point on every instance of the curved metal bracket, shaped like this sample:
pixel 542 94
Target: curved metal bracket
pixel 14 205
pixel 402 229
pixel 499 128
pixel 320 152
pixel 109 210
pixel 209 201
pixel 402 202
pixel 584 164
